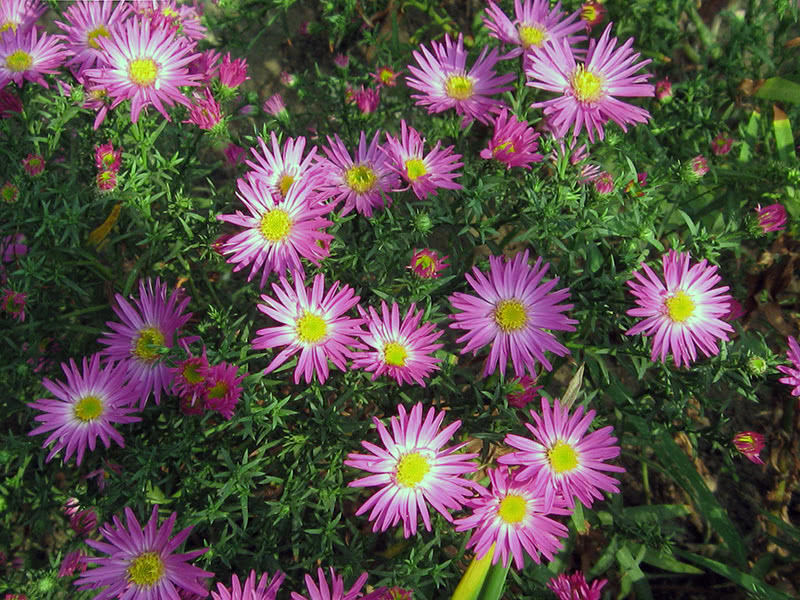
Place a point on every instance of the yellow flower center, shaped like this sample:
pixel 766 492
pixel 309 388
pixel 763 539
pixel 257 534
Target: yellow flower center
pixel 284 183
pixel 100 30
pixel 275 225
pixel 510 315
pixel 386 76
pixel 168 12
pixel 8 25
pixel 150 341
pixel 98 94
pixel 218 390
pixel 531 35
pixel 146 569
pixel 586 86
pixel 395 354
pixel 513 509
pixel 88 408
pixel 311 328
pixel 562 457
pixel 191 375
pixel 507 146
pixel 143 71
pixel 680 307
pixel 411 469
pixel 360 178
pixel 425 263
pixel 589 12
pixel 19 60
pixel 415 168
pixel 458 87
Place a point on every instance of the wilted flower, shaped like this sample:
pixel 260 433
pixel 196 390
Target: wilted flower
pixel 750 444
pixel 771 218
pixel 341 60
pixel 13 303
pixel 106 181
pixel 664 90
pixel 427 263
pixel 721 144
pixel 367 99
pixel 386 76
pixel 33 164
pixel 9 192
pixel 106 158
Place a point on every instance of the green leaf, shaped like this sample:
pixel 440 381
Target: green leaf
pixel 664 561
pixel 495 582
pixel 748 582
pixel 632 574
pixel 784 140
pixel 780 89
pixel 656 512
pixel 680 468
pixel 474 577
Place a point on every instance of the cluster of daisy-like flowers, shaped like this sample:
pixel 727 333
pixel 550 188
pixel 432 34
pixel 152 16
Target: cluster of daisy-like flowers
pixel 107 160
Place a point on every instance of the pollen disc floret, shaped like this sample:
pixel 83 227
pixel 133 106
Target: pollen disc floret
pixel 512 517
pixel 562 460
pixel 512 311
pixel 682 313
pixel 413 471
pixel 85 407
pixel 312 323
pixel 141 560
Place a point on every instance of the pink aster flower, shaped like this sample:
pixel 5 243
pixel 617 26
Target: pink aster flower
pixel 147 329
pixel 574 587
pixel 106 158
pixel 232 73
pixel 278 231
pixel 335 591
pixel 189 380
pixel 83 522
pixel 682 313
pixel 424 173
pixel 363 182
pixel 698 167
pixel 25 55
pixel 535 24
pixel 401 349
pixel 750 444
pixel 512 311
pixel 386 76
pixel 367 99
pixel 280 169
pixel 205 65
pixel 664 90
pixel 72 562
pixel 20 15
pixel 234 154
pixel 513 142
pixel 413 470
pixel 205 111
pixel 313 323
pixel 275 106
pixel 445 83
pixel 86 20
pixel 85 407
pixel 562 460
pixel 792 372
pixel 33 164
pixel 427 264
pixel 142 562
pixel 183 20
pixel 223 388
pixel 13 303
pixel 513 517
pixel 106 181
pixel 523 391
pixel 721 144
pixel 589 90
pixel 145 64
pixel 771 218
pixel 263 590
pixel 9 103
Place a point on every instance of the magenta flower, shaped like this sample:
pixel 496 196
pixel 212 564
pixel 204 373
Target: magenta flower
pixel 592 13
pixel 698 167
pixel 233 154
pixel 335 591
pixel 367 99
pixel 106 158
pixel 341 60
pixel 386 76
pixel 205 65
pixel 145 64
pixel 278 231
pixel 682 313
pixel 664 90
pixel 589 90
pixel 427 264
pixel 33 164
pixel 313 323
pixel 513 516
pixel 223 388
pixel 85 407
pixel 562 460
pixel 9 193
pixel 232 74
pixel 147 330
pixel 793 372
pixel 205 111
pixel 275 106
pixel 280 169
pixel 445 83
pixel 12 246
pixel 189 380
pixel 513 142
pixel 20 15
pixel 400 349
pixel 424 173
pixel 13 303
pixel 721 144
pixel 413 470
pixel 523 391
pixel 182 20
pixel 72 562
pixel 363 182
pixel 512 311
pixel 750 444
pixel 574 587
pixel 83 522
pixel 142 563
pixel 86 20
pixel 264 590
pixel 104 473
pixel 535 24
pixel 25 55
pixel 9 103
pixel 771 218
